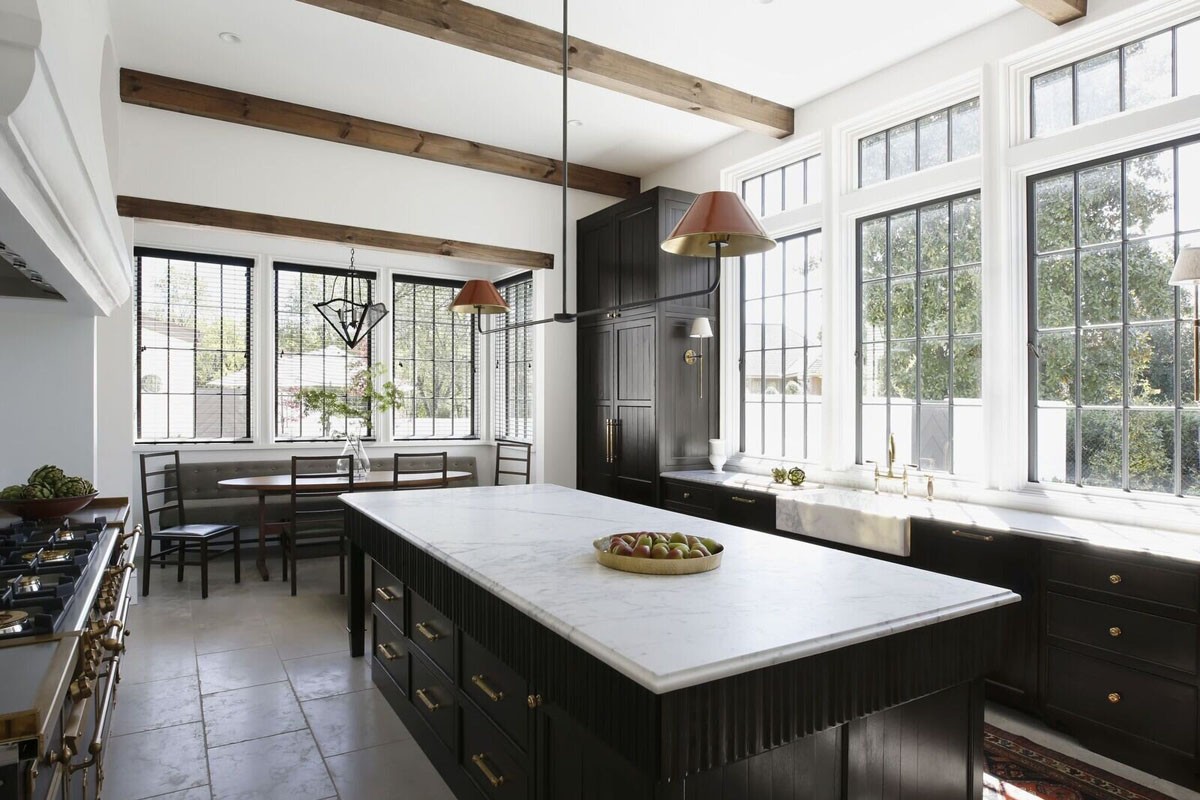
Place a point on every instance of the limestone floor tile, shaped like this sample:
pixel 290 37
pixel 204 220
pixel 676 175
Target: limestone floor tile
pixel 199 793
pixel 251 713
pixel 328 674
pixel 151 763
pixel 237 634
pixel 309 637
pixel 237 669
pixel 282 767
pixel 396 771
pixel 347 722
pixel 156 704
pixel 158 657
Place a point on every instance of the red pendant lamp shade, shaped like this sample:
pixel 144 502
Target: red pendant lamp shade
pixel 718 218
pixel 479 296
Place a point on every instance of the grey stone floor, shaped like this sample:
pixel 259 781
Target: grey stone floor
pixel 252 694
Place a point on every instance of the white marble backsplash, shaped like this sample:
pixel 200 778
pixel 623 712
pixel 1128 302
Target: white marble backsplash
pixel 772 600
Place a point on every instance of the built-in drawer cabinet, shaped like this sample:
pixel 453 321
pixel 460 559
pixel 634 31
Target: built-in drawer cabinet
pixel 1131 580
pixel 1125 700
pixel 390 650
pixel 690 498
pixel 754 510
pixel 1147 637
pixel 498 770
pixel 387 595
pixel 498 690
pixel 433 633
pixel 434 699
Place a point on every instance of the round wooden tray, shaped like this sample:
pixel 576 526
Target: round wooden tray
pixel 656 566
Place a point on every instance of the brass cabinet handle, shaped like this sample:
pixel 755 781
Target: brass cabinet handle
pixel 975 537
pixel 424 698
pixel 386 594
pixel 1114 697
pixel 386 652
pixel 533 700
pixel 1114 631
pixel 747 500
pixel 492 694
pixel 1114 579
pixel 687 495
pixel 432 636
pixel 494 779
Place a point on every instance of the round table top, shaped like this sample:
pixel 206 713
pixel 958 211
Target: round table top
pixel 376 479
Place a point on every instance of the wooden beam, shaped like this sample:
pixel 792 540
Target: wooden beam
pixel 165 211
pixel 1060 12
pixel 513 39
pixel 172 94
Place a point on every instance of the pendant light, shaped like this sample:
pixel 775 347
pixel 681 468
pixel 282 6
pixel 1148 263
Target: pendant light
pixel 351 320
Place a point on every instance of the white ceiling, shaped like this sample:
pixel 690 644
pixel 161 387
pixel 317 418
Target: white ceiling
pixel 789 51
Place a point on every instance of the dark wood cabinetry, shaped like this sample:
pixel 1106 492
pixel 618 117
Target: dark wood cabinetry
pixel 639 405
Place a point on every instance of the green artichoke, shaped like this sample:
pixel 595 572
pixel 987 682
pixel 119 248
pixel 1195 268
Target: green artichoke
pixel 48 474
pixel 12 492
pixel 36 491
pixel 73 487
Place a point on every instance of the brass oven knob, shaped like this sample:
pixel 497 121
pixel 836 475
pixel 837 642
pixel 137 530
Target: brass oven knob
pixel 1114 579
pixel 1114 631
pixel 80 688
pixel 1114 697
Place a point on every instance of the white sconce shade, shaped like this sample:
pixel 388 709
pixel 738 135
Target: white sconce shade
pixel 701 328
pixel 1187 267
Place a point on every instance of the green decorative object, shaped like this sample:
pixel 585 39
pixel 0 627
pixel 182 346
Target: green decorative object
pixel 779 474
pixel 796 476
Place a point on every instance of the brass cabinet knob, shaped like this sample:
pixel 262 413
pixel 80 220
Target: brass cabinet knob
pixel 1114 579
pixel 533 700
pixel 1114 697
pixel 1114 631
pixel 687 495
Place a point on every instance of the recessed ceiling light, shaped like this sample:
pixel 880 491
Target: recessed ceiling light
pixel 575 123
pixel 229 37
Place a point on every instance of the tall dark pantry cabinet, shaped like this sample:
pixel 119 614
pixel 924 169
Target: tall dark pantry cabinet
pixel 639 406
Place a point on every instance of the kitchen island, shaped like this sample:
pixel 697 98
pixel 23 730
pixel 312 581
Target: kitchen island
pixel 525 669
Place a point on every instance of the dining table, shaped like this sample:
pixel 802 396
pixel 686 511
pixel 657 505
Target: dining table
pixel 265 485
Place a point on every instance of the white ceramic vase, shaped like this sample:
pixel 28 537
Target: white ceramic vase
pixel 716 454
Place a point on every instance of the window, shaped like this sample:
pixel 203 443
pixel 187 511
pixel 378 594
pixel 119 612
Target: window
pixel 929 141
pixel 193 346
pixel 1110 367
pixel 920 338
pixel 782 318
pixel 783 189
pixel 433 362
pixel 313 367
pixel 1135 75
pixel 512 397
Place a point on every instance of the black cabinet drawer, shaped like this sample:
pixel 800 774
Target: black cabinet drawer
pixel 433 633
pixel 689 494
pixel 434 700
pixel 495 767
pixel 752 510
pixel 497 689
pixel 1148 637
pixel 390 649
pixel 1123 699
pixel 387 593
pixel 1124 578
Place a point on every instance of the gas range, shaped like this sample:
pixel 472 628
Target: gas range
pixel 40 568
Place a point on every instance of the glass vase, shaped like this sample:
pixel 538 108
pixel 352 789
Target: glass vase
pixel 354 450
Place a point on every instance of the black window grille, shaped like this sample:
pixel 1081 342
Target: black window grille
pixel 932 140
pixel 513 378
pixel 434 352
pixel 314 369
pixel 193 346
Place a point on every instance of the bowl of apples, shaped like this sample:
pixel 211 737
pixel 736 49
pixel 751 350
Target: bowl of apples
pixel 657 553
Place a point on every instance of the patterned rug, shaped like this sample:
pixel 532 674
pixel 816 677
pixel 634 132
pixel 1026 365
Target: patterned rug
pixel 1018 769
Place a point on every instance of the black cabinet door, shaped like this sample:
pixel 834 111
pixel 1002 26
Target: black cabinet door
pixel 636 442
pixel 997 559
pixel 637 254
pixel 595 380
pixel 597 258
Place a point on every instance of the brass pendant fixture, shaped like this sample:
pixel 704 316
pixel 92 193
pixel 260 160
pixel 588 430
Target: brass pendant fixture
pixel 351 320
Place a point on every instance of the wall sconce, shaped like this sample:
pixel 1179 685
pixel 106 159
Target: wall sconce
pixel 701 329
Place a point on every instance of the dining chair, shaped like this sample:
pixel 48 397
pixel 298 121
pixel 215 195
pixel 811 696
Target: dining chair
pixel 518 452
pixel 316 514
pixel 417 464
pixel 167 493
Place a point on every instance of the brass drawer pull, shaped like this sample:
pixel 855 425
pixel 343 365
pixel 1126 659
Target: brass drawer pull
pixel 975 537
pixel 386 652
pixel 533 700
pixel 1114 697
pixel 386 594
pixel 1114 631
pixel 432 636
pixel 494 779
pixel 1114 579
pixel 492 694
pixel 424 698
pixel 747 500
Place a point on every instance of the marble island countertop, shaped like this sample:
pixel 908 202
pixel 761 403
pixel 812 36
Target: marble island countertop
pixel 789 510
pixel 772 599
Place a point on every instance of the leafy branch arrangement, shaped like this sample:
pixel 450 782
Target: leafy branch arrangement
pixel 356 402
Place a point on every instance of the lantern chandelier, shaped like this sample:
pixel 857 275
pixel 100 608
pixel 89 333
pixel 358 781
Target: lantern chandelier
pixel 351 320
pixel 718 224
